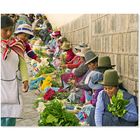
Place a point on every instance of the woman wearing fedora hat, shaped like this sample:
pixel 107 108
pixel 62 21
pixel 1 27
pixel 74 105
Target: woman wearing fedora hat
pixel 77 60
pixel 104 63
pixel 91 61
pixel 72 65
pixel 102 115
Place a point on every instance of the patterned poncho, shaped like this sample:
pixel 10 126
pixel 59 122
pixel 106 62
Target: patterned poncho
pixel 7 45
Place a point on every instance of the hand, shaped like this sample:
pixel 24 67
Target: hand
pixel 25 86
pixel 73 81
pixel 63 66
pixel 38 59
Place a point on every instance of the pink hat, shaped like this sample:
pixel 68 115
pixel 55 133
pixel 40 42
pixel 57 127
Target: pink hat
pixel 56 33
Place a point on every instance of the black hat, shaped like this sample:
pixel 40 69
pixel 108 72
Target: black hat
pixel 6 21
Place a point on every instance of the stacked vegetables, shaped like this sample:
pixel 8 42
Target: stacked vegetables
pixel 54 114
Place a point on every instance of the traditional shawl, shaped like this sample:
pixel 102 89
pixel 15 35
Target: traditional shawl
pixel 15 45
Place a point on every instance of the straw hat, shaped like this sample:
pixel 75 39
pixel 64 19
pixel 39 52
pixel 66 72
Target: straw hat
pixel 90 56
pixel 65 46
pixel 80 46
pixel 83 51
pixel 111 78
pixel 24 28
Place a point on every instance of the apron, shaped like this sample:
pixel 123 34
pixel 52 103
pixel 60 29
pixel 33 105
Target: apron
pixel 10 98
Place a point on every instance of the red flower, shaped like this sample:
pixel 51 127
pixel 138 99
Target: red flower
pixel 49 94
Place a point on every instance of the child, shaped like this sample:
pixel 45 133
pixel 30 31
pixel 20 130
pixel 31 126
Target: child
pixel 102 115
pixel 11 62
pixel 23 33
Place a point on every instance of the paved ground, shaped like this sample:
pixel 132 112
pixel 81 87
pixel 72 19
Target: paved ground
pixel 29 116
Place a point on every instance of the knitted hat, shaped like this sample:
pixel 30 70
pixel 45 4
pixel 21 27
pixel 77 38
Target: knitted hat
pixel 111 78
pixel 83 51
pixel 95 78
pixel 25 28
pixel 104 62
pixel 6 21
pixel 90 56
pixel 65 46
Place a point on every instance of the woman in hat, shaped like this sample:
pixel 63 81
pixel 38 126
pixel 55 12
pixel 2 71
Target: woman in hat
pixel 90 104
pixel 53 44
pixel 92 62
pixel 74 63
pixel 23 34
pixel 102 115
pixel 69 52
pixel 12 61
pixel 82 87
pixel 77 60
pixel 104 63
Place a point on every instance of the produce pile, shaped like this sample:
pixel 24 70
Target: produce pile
pixel 46 82
pixel 54 114
pixel 118 105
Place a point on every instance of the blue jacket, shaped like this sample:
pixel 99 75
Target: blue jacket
pixel 104 118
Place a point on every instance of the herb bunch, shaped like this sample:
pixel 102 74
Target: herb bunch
pixel 118 105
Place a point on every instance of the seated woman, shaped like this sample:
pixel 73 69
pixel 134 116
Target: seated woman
pixel 66 47
pixel 90 101
pixel 82 86
pixel 79 58
pixel 102 116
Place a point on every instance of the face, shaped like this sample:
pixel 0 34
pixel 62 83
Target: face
pixel 92 66
pixel 82 59
pixel 110 90
pixel 23 36
pixel 6 32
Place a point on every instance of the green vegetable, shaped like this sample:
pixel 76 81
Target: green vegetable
pixel 62 95
pixel 117 107
pixel 45 70
pixel 56 115
pixel 55 84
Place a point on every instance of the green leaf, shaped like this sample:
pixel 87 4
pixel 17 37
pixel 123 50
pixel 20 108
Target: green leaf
pixel 120 94
pixel 113 99
pixel 51 119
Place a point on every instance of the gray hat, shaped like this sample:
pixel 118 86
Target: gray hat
pixel 90 56
pixel 94 81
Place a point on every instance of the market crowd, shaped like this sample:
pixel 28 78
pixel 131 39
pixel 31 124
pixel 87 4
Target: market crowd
pixel 88 85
